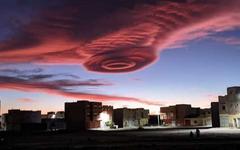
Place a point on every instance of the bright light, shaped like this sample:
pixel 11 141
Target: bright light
pixel 238 96
pixel 53 116
pixel 104 118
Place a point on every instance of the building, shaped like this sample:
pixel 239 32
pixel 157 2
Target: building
pixel 82 115
pixel 0 122
pixel 202 119
pixel 4 121
pixel 174 115
pixel 186 115
pixel 215 114
pixel 52 115
pixel 154 120
pixel 60 115
pixel 53 121
pixel 55 124
pixel 125 117
pixel 22 120
pixel 229 108
pixel 206 115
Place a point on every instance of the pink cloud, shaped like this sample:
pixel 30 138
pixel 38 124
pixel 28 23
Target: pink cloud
pixel 61 87
pixel 25 100
pixel 125 39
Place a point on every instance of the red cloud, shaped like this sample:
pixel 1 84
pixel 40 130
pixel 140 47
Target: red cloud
pixel 61 87
pixel 104 37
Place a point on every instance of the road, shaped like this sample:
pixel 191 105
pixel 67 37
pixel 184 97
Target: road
pixel 162 139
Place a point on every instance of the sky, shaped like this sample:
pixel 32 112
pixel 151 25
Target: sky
pixel 125 53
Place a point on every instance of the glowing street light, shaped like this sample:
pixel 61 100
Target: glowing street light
pixel 104 118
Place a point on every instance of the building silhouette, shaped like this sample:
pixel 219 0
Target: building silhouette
pixel 204 118
pixel 186 115
pixel 174 115
pixel 82 115
pixel 125 117
pixel 215 114
pixel 154 120
pixel 54 121
pixel 22 120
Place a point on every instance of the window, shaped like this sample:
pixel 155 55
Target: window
pixel 223 107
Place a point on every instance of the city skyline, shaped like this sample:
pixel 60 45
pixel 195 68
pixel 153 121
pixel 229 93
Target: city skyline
pixel 140 54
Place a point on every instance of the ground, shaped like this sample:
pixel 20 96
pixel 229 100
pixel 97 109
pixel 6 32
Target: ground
pixel 162 139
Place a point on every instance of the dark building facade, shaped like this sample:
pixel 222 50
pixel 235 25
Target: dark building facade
pixel 54 121
pixel 55 124
pixel 22 120
pixel 215 114
pixel 174 115
pixel 203 118
pixel 82 115
pixel 185 115
pixel 154 120
pixel 125 117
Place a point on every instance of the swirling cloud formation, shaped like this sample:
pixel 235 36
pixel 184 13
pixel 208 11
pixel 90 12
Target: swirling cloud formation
pixel 113 36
